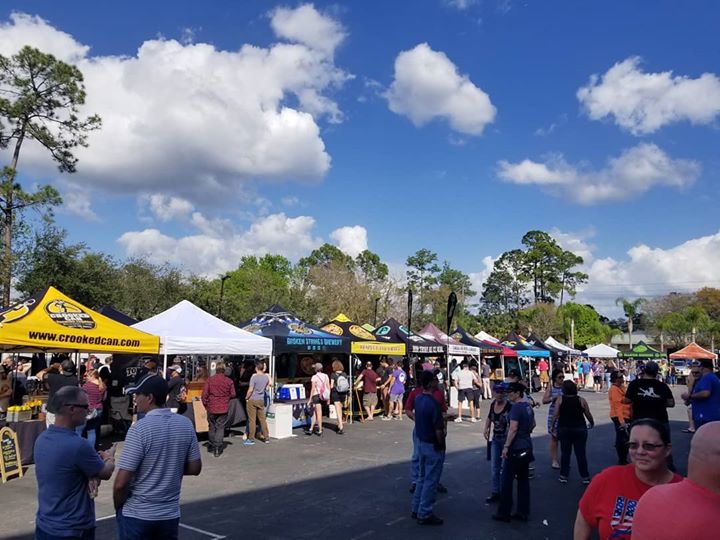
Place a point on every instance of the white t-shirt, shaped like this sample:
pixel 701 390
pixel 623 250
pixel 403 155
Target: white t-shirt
pixel 464 379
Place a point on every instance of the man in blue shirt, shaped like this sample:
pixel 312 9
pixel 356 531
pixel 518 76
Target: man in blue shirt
pixel 705 396
pixel 64 463
pixel 158 451
pixel 430 434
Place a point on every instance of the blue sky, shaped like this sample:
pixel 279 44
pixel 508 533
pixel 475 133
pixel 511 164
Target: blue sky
pixel 455 126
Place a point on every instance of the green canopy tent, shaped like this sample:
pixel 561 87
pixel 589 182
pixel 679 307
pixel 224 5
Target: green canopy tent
pixel 642 351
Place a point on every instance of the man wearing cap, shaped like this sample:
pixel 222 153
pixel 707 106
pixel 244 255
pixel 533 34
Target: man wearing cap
pixel 157 453
pixel 216 395
pixel 705 396
pixel 64 464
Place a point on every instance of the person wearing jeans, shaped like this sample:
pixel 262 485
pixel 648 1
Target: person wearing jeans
pixel 217 393
pixel 517 454
pixel 498 418
pixel 430 433
pixel 570 413
pixel 256 403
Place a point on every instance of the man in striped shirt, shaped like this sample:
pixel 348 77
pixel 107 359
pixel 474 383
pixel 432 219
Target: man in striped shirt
pixel 158 451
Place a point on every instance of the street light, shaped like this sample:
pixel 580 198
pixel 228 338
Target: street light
pixel 222 293
pixel 376 309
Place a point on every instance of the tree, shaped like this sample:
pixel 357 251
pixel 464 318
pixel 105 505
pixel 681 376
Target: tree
pixel 371 268
pixel 505 290
pixel 540 265
pixel 588 328
pixel 39 101
pixel 631 308
pixel 569 280
pixel 146 289
pixel 422 276
pixel 708 298
pixel 541 319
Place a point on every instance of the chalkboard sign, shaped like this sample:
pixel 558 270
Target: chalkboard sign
pixel 10 462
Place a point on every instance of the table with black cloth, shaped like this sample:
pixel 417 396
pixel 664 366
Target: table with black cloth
pixel 236 413
pixel 27 433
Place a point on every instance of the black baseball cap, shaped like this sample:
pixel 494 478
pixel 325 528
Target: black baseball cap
pixel 151 385
pixel 516 387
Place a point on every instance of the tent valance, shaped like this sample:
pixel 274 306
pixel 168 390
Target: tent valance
pixel 290 334
pixel 552 342
pixel 486 348
pixel 362 340
pixel 694 352
pixel 642 350
pixel 454 346
pixel 535 341
pixel 391 331
pixel 517 343
pixel 601 351
pixel 187 329
pixel 52 321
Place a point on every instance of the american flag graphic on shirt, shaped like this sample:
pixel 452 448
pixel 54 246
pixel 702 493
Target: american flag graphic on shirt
pixel 622 518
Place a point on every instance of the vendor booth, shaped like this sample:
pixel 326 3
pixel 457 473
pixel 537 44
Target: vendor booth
pixel 53 322
pixel 693 351
pixel 555 344
pixel 391 331
pixel 495 353
pixel 454 347
pixel 601 351
pixel 525 351
pixel 187 329
pixel 642 351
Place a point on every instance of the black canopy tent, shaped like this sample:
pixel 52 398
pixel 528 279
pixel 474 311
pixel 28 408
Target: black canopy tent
pixel 391 331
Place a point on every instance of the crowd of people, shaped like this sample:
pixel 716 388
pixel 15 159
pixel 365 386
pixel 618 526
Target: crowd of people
pixel 161 446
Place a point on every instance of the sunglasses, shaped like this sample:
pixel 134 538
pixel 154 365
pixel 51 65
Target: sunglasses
pixel 79 405
pixel 648 447
pixel 695 372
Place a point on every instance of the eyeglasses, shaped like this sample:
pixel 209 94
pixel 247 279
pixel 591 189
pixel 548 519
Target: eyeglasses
pixel 79 405
pixel 648 447
pixel 695 372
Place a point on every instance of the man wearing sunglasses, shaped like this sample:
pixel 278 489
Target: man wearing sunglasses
pixel 705 395
pixel 64 463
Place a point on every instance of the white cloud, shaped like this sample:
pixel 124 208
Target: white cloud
pixel 193 121
pixel 644 102
pixel 478 278
pixel 218 245
pixel 635 171
pixel 576 242
pixel 650 271
pixel 167 208
pixel 308 26
pixel 427 86
pixel 462 5
pixel 78 203
pixel 351 240
pixel 290 200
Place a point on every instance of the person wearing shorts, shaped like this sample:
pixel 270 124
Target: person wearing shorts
pixel 464 382
pixel 477 391
pixel 368 380
pixel 397 380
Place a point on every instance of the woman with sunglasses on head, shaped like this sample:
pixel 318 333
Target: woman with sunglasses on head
pixel 552 393
pixel 609 503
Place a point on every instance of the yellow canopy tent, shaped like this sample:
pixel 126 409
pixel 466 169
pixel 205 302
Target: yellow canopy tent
pixel 52 321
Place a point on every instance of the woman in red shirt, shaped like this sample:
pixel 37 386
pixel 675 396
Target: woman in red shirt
pixel 609 503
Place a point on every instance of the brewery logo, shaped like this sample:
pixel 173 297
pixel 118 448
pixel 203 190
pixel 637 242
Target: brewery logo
pixel 299 328
pixel 333 329
pixel 16 312
pixel 360 332
pixel 69 315
pixel 382 331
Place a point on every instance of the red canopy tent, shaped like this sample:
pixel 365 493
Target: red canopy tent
pixel 695 352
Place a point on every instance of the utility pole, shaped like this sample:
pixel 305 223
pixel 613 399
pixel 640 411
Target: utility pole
pixel 222 294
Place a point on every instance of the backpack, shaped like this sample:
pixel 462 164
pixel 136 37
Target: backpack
pixel 322 388
pixel 342 384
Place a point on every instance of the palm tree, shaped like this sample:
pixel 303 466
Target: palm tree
pixel 631 308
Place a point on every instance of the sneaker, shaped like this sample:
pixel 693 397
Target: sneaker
pixel 249 443
pixel 432 519
pixel 458 420
pixel 586 481
pixel 495 497
pixel 341 431
pixel 385 418
pixel 563 479
pixel 266 441
pixel 473 420
pixel 308 432
pixel 412 488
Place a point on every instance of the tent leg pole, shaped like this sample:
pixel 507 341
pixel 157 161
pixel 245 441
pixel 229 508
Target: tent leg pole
pixel 350 361
pixel 164 365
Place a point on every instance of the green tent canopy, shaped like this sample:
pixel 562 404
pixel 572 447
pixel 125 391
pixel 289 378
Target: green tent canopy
pixel 641 351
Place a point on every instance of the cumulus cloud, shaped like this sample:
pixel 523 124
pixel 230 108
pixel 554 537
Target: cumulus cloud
pixel 644 102
pixel 576 242
pixel 635 171
pixel 167 208
pixel 78 203
pixel 308 26
pixel 427 86
pixel 351 240
pixel 650 271
pixel 218 245
pixel 196 122
pixel 462 5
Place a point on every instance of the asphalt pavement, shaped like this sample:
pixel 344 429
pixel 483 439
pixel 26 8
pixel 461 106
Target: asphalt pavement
pixel 355 486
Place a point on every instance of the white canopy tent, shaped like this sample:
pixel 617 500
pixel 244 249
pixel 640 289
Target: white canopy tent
pixel 552 342
pixel 187 329
pixel 484 336
pixel 601 351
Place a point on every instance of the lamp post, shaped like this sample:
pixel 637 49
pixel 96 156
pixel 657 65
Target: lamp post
pixel 222 293
pixel 376 309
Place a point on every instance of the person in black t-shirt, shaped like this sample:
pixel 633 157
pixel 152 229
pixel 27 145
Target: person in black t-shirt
pixel 650 398
pixel 66 377
pixel 176 387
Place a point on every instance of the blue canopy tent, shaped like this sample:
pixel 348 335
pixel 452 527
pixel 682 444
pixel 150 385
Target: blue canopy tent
pixel 524 349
